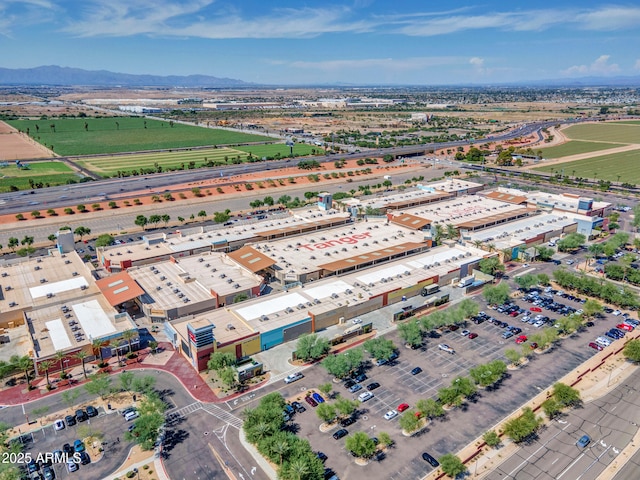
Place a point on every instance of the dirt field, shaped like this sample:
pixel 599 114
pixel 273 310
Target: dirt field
pixel 17 146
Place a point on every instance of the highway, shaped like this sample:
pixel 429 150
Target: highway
pixel 610 421
pixel 92 192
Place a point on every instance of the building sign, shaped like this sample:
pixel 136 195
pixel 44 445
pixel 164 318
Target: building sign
pixel 349 239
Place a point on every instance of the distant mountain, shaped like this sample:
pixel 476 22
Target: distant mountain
pixel 64 76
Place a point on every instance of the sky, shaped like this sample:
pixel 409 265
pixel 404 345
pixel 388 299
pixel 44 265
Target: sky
pixel 353 42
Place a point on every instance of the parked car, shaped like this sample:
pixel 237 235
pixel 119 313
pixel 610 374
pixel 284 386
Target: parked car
pixel 595 346
pixel 361 378
pixel 317 397
pixel 70 420
pixel 310 401
pixel 48 473
pixel 416 371
pixel 430 460
pixel 322 456
pixel 347 421
pixel 91 411
pixel 78 446
pixel 355 388
pixel 390 414
pixel 364 396
pixel 624 326
pixel 58 425
pixel 535 309
pixel 81 415
pixel 603 341
pixel 343 432
pixel 373 386
pixel 521 339
pixel 356 321
pixel 68 449
pixel 84 458
pixel 72 466
pixel 465 333
pixel 507 334
pixel 298 407
pixel 446 348
pixel 472 335
pixel 402 407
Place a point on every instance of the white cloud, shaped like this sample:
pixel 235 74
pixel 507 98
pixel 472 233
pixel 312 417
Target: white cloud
pixel 609 18
pixel 478 65
pixel 406 64
pixel 637 65
pixel 600 66
pixel 14 13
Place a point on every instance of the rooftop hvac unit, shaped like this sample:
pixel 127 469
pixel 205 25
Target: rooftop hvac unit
pixel 316 301
pixel 200 260
pixel 43 280
pixel 7 288
pixel 207 265
pixel 49 295
pixel 169 284
pixel 163 277
pixel 214 269
pixel 300 306
pixel 371 284
pixel 383 280
pixel 348 291
pixel 222 275
pixel 264 318
pixel 36 268
pixel 83 287
pixel 236 285
pixel 4 274
pixel 288 310
pixel 229 280
pixel 158 287
pixel 66 262
pixel 74 274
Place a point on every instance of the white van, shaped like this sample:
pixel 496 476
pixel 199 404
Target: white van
pixel 131 416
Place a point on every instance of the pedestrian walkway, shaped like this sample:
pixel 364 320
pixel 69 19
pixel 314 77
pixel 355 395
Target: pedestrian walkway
pixel 223 415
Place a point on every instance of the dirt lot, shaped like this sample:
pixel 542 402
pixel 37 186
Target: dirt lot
pixel 17 146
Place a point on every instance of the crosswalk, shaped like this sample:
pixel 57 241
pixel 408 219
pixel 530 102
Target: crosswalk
pixel 211 409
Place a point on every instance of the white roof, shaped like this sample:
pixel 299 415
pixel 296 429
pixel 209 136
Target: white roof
pixel 58 334
pixel 93 320
pixel 57 287
pixel 271 306
pixel 378 275
pixel 324 291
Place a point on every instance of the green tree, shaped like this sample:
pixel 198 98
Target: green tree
pixel 490 266
pixel 128 336
pixel 491 438
pixel 147 426
pixel 202 214
pixel 228 376
pixel 410 333
pixel 220 360
pixel 409 422
pixel 429 408
pixel 45 366
pixel 326 389
pixel 513 356
pixel 360 444
pixel 13 243
pixel 99 384
pixel 451 465
pixel 69 397
pixel 27 240
pixel 165 218
pixel 81 355
pixel 468 308
pixel 526 281
pixel 126 381
pixel 571 242
pixel 141 221
pixel 82 231
pixel 52 238
pixel 631 351
pixel 450 396
pixel 220 217
pixel 336 365
pixel 522 427
pixel 385 439
pixel 496 294
pixel 326 412
pixel 104 240
pixel 346 407
pixel 379 348
pixel 312 347
pixel 551 407
pixel 155 219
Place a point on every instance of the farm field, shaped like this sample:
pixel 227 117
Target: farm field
pixel 274 149
pixel 68 136
pixel 619 132
pixel 109 166
pixel 622 166
pixel 47 173
pixel 575 147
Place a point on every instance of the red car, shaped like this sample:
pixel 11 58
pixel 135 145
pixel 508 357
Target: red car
pixel 310 401
pixel 624 326
pixel 535 309
pixel 521 339
pixel 595 346
pixel 472 335
pixel 402 407
pixel 533 345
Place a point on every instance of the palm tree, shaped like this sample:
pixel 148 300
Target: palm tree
pixel 298 469
pixel 452 232
pixel 24 363
pixel 60 357
pixel 97 344
pixel 81 355
pixel 280 447
pixel 506 254
pixel 478 243
pixel 45 367
pixel 128 336
pixel 438 233
pixel 491 247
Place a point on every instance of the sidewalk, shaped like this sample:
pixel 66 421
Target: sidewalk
pixel 174 364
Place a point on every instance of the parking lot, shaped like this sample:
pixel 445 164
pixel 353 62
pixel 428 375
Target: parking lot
pixel 439 368
pixel 112 426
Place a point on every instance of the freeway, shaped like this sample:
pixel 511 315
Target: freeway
pixel 91 192
pixel 611 422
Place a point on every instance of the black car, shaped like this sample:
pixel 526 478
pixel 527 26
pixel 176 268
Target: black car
pixel 321 456
pixel 361 378
pixel 416 371
pixel 298 407
pixel 349 383
pixel 92 411
pixel 432 461
pixel 373 386
pixel 84 458
pixel 81 415
pixel 69 420
pixel 347 421
pixel 340 433
pixel 67 448
pixel 589 324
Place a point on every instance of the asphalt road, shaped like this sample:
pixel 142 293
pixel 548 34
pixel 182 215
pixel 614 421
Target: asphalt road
pixel 610 421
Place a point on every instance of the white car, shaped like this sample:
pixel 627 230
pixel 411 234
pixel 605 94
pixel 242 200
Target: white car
pixel 293 377
pixel 446 348
pixel 363 397
pixel 616 313
pixel 465 333
pixel 58 425
pixel 526 318
pixel 603 341
pixel 538 324
pixel 355 321
pixel 390 414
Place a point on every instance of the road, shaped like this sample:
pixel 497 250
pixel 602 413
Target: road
pixel 610 421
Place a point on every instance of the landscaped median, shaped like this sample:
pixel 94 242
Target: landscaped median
pixel 591 380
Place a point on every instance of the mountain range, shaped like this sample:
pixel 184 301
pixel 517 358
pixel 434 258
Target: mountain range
pixel 65 76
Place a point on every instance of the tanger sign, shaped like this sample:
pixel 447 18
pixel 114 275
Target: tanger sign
pixel 350 239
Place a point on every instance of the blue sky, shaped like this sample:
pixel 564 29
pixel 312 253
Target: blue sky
pixel 319 42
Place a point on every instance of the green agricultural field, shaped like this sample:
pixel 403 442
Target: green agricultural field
pixel 605 132
pixel 623 166
pixel 575 147
pixel 45 173
pixel 90 136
